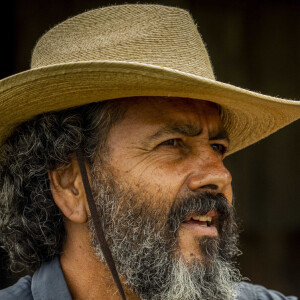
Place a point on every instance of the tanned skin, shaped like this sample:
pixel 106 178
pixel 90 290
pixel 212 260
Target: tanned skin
pixel 172 146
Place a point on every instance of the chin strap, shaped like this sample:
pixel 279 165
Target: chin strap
pixel 98 226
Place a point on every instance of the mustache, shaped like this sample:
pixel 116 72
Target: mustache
pixel 200 204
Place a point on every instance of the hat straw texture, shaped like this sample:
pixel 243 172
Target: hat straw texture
pixel 150 34
pixel 129 51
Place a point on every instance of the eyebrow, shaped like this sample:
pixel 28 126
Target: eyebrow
pixel 219 134
pixel 187 130
pixel 183 129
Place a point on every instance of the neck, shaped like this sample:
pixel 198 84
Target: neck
pixel 86 276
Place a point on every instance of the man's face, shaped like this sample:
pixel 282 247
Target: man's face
pixel 172 148
pixel 165 197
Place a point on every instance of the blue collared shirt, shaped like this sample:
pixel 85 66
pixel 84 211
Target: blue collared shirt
pixel 48 283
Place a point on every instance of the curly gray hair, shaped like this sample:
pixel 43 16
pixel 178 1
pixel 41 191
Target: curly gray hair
pixel 31 225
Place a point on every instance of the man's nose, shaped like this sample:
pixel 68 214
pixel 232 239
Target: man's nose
pixel 209 174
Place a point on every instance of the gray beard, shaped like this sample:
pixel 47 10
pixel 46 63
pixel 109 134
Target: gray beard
pixel 147 255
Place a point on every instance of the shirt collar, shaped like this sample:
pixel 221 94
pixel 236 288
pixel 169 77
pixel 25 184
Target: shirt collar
pixel 48 282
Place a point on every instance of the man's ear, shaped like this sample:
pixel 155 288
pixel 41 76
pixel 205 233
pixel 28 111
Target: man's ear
pixel 68 192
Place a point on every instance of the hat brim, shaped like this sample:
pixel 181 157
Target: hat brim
pixel 247 116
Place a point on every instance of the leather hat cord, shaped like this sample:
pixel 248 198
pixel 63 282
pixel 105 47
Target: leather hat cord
pixel 98 226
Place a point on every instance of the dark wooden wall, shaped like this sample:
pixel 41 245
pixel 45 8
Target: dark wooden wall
pixel 253 44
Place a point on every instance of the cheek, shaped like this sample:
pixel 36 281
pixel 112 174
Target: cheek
pixel 156 174
pixel 169 177
pixel 162 187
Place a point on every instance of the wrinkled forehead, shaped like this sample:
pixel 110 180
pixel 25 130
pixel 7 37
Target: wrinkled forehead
pixel 159 110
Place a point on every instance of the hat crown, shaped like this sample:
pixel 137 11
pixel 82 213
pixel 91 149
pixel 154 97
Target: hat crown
pixel 150 34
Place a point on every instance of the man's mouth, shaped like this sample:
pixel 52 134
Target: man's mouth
pixel 203 221
pixel 202 224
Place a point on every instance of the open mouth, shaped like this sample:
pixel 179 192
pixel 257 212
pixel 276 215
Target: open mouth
pixel 204 221
pixel 202 224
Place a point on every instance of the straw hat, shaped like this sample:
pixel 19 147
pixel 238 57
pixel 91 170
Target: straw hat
pixel 133 50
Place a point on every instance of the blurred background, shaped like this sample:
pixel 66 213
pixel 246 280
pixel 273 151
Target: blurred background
pixel 252 44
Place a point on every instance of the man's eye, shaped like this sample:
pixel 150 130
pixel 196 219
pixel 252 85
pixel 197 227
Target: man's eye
pixel 219 148
pixel 171 142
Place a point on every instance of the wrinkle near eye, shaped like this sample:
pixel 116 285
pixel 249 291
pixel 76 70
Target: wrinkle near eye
pixel 152 161
pixel 171 142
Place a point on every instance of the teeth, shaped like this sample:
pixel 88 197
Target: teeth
pixel 202 218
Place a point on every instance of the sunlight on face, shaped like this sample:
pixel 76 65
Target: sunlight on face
pixel 172 147
pixel 162 175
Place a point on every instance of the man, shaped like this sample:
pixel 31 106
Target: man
pixel 124 98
